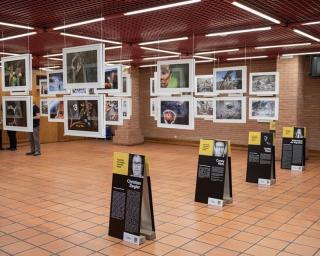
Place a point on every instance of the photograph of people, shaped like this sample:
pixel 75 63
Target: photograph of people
pixel 228 109
pixel 16 113
pixel 136 163
pixel 15 74
pixel 220 148
pixel 175 112
pixel 56 82
pixel 56 109
pixel 263 108
pixel 263 83
pixel 112 110
pixel 111 78
pixel 83 115
pixel 299 133
pixel 174 76
pixel 229 80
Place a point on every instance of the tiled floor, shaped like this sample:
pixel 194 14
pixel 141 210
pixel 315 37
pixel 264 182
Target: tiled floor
pixel 58 204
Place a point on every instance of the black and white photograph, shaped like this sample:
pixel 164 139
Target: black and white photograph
pixel 79 91
pixel 136 165
pixel 55 82
pixel 220 148
pixel 204 85
pixel 56 110
pixel 175 112
pixel 83 66
pixel 299 132
pixel 229 110
pixel 126 108
pixel 43 107
pixel 113 111
pixel 230 80
pixel 264 83
pixel 203 108
pixel 264 108
pixel 43 84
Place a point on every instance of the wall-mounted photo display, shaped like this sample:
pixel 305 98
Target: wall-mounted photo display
pixel 230 80
pixel 203 108
pixel 83 66
pixel 264 108
pixel 175 76
pixel 40 77
pixel 113 80
pixel 43 83
pixel 55 82
pixel 175 112
pixel 126 108
pixel 16 73
pixel 204 85
pixel 43 107
pixel 264 83
pixel 125 88
pixel 56 110
pixel 152 87
pixel 84 116
pixel 79 91
pixel 230 110
pixel 113 111
pixel 17 114
pixel 153 107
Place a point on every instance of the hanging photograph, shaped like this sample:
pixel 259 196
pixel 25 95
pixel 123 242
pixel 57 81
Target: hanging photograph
pixel 125 88
pixel 230 80
pixel 113 111
pixel 43 107
pixel 83 66
pixel 203 108
pixel 17 113
pixel 175 76
pixel 153 107
pixel 126 108
pixel 16 73
pixel 84 116
pixel 264 83
pixel 264 108
pixel 113 80
pixel 152 87
pixel 56 110
pixel 175 112
pixel 40 77
pixel 43 83
pixel 204 85
pixel 55 82
pixel 229 110
pixel 79 91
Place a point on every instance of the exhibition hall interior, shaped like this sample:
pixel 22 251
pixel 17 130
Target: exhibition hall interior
pixel 160 127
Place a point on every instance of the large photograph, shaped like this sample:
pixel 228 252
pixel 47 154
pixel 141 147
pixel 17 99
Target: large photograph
pixel 16 73
pixel 43 83
pixel 204 85
pixel 265 83
pixel 175 76
pixel 56 110
pixel 55 82
pixel 230 110
pixel 175 112
pixel 43 107
pixel 113 111
pixel 230 80
pixel 203 108
pixel 84 116
pixel 264 108
pixel 83 66
pixel 17 113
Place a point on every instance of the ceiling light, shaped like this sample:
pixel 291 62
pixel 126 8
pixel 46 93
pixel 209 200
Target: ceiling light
pixel 147 66
pixel 306 35
pixel 260 14
pixel 90 38
pixel 49 68
pixel 161 7
pixel 204 58
pixel 238 31
pixel 282 45
pixel 55 59
pixel 203 61
pixel 218 51
pixel 311 23
pixel 300 54
pixel 79 23
pixel 9 53
pixel 52 55
pixel 17 36
pixel 112 47
pixel 15 25
pixel 165 40
pixel 118 61
pixel 248 58
pixel 161 57
pixel 159 50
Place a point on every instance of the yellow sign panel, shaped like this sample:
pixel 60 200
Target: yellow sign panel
pixel 120 163
pixel 254 138
pixel 229 148
pixel 272 126
pixel 147 166
pixel 287 132
pixel 206 147
pixel 305 132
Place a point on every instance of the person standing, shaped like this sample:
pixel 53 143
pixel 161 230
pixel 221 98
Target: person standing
pixel 35 135
pixel 12 140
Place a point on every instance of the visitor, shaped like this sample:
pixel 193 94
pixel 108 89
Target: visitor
pixel 35 135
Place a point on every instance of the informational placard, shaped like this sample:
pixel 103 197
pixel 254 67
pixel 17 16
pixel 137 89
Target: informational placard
pixel 131 210
pixel 293 148
pixel 261 158
pixel 214 183
pixel 272 127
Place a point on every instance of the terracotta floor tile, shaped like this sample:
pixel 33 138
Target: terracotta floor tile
pixel 259 230
pixel 226 232
pixel 273 243
pixel 34 252
pixel 57 246
pixel 11 228
pixel 189 233
pixel 197 247
pixel 17 247
pixel 158 249
pixel 174 240
pixel 309 241
pixel 76 251
pixel 202 226
pixel 212 239
pixel 7 239
pixel 26 233
pixel 117 249
pixel 258 250
pixel 97 244
pixel 301 249
pixel 281 235
pixel 169 228
pixel 248 237
pixel 292 228
pixel 181 252
pixel 221 252
pixel 41 239
pixel 235 245
pixel 79 238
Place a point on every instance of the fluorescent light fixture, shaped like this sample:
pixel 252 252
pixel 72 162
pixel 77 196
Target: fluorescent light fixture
pixel 204 58
pixel 238 31
pixel 49 68
pixel 52 55
pixel 79 23
pixel 311 23
pixel 282 45
pixel 299 54
pixel 9 53
pixel 55 59
pixel 159 50
pixel 248 58
pixel 112 47
pixel 17 36
pixel 215 52
pixel 147 66
pixel 165 41
pixel 15 25
pixel 255 12
pixel 306 35
pixel 161 7
pixel 203 61
pixel 161 57
pixel 90 38
pixel 118 61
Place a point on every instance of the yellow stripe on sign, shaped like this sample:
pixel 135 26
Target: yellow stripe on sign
pixel 206 148
pixel 229 148
pixel 147 166
pixel 305 132
pixel 272 126
pixel 254 138
pixel 287 132
pixel 120 164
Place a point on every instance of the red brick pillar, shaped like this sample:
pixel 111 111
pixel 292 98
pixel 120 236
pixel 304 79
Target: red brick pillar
pixel 290 97
pixel 130 133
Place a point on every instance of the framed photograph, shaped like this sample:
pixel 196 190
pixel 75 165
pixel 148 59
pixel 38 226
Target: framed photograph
pixel 175 76
pixel 204 85
pixel 153 106
pixel 152 87
pixel 264 83
pixel 38 78
pixel 17 113
pixel 264 108
pixel 84 116
pixel 113 111
pixel 126 108
pixel 113 80
pixel 203 108
pixel 55 82
pixel 16 73
pixel 43 107
pixel 175 112
pixel 230 80
pixel 126 87
pixel 83 66
pixel 43 83
pixel 79 91
pixel 230 110
pixel 56 110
